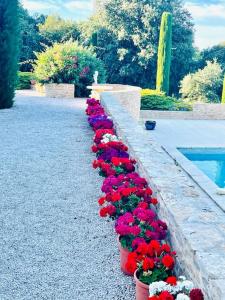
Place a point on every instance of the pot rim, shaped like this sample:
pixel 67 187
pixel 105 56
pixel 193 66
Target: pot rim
pixel 146 286
pixel 150 122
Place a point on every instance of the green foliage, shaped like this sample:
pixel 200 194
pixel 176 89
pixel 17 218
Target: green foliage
pixel 156 100
pixel 164 54
pixel 210 54
pixel 205 85
pixel 30 39
pixel 24 80
pixel 8 51
pixel 57 30
pixel 126 36
pixel 223 94
pixel 68 63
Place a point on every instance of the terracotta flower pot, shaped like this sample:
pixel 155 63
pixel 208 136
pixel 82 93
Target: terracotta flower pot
pixel 123 258
pixel 142 290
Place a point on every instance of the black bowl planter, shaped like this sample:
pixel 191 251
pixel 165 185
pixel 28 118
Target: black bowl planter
pixel 150 125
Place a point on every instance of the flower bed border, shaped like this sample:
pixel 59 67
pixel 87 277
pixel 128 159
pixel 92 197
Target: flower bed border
pixel 99 123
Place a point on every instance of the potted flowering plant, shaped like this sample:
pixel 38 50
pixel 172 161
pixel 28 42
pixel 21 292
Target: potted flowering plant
pixel 110 147
pixel 173 289
pixel 117 166
pixel 100 133
pixel 125 200
pixel 153 262
pixel 100 122
pixel 135 228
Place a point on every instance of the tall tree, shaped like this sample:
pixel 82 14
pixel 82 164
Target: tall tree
pixel 57 30
pixel 164 54
pixel 131 28
pixel 9 40
pixel 30 41
pixel 223 95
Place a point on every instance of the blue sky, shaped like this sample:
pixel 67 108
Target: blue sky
pixel 209 15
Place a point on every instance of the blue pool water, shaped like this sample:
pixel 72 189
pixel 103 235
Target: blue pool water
pixel 210 161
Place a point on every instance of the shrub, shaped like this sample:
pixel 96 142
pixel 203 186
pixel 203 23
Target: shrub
pixel 24 80
pixel 204 86
pixel 164 53
pixel 156 100
pixel 68 63
pixel 8 51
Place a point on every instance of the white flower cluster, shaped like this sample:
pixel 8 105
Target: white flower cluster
pixel 109 138
pixel 181 290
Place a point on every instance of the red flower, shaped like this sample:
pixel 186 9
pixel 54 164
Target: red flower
pixel 153 298
pixel 168 261
pixel 154 201
pixel 103 212
pixel 143 205
pixel 131 264
pixel 142 249
pixel 95 164
pixel 94 148
pixel 115 161
pixel 166 296
pixel 116 197
pixel 196 294
pixel 166 248
pixel 148 191
pixel 172 280
pixel 148 264
pixel 101 201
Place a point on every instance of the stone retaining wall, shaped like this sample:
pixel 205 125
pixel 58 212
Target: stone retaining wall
pixel 54 90
pixel 128 96
pixel 196 223
pixel 200 111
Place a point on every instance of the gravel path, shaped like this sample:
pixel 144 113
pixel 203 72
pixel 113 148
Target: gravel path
pixel 53 245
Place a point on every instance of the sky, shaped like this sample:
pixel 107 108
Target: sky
pixel 209 15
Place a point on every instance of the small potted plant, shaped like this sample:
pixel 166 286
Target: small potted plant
pixel 153 262
pixel 150 125
pixel 136 228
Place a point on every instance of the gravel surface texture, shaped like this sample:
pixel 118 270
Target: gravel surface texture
pixel 53 244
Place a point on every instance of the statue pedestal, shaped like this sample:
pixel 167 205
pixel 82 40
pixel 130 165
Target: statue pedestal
pixel 97 89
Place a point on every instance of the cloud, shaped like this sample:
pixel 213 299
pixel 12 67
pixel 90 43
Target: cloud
pixel 82 5
pixel 207 35
pixel 36 5
pixel 206 10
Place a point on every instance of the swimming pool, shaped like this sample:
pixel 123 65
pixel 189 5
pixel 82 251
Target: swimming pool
pixel 210 161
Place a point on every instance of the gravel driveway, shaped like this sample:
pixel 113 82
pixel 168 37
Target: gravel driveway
pixel 53 244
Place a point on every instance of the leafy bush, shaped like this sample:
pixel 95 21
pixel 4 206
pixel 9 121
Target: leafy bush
pixel 24 80
pixel 156 100
pixel 68 63
pixel 205 85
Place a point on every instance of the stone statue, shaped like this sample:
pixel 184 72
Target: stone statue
pixel 96 77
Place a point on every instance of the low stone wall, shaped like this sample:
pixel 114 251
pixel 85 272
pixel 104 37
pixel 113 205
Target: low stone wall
pixel 128 96
pixel 196 223
pixel 54 90
pixel 200 111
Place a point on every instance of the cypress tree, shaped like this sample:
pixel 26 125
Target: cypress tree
pixel 9 41
pixel 164 53
pixel 223 95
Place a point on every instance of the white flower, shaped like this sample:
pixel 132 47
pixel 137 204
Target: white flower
pixel 187 285
pixel 157 287
pixel 182 297
pixel 109 138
